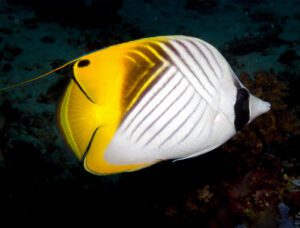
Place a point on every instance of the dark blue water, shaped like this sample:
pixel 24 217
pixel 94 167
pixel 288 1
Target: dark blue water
pixel 239 184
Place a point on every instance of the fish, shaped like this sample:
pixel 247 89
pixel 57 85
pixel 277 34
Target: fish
pixel 134 104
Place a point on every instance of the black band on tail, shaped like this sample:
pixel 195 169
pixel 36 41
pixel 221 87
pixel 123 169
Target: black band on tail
pixel 241 109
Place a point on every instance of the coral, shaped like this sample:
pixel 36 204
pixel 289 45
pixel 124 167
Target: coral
pixel 250 191
pixel 204 194
pixel 278 124
pixel 266 184
pixel 194 205
pixel 199 198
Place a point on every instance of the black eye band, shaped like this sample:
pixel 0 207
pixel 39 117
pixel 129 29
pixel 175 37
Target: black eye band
pixel 241 109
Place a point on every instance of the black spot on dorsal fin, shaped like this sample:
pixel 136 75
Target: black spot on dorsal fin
pixel 83 63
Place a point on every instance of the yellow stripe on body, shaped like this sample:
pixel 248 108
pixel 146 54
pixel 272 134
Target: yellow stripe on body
pixel 130 90
pixel 151 63
pixel 131 59
pixel 151 77
pixel 142 89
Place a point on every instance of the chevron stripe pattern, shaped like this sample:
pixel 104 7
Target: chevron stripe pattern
pixel 175 94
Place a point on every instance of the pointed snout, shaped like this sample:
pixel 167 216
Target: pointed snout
pixel 258 107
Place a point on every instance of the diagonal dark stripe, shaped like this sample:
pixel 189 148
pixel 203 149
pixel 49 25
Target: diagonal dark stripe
pixel 181 125
pixel 170 120
pixel 175 52
pixel 150 99
pixel 143 80
pixel 183 45
pixel 156 106
pixel 82 90
pixel 193 43
pixel 160 50
pixel 213 56
pixel 89 144
pixel 196 124
pixel 135 80
pixel 161 114
pixel 139 82
pixel 157 64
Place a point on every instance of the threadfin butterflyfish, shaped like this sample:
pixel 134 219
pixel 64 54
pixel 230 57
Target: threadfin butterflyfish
pixel 133 104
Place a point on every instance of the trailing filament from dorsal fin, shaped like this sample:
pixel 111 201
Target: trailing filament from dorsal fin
pixel 38 77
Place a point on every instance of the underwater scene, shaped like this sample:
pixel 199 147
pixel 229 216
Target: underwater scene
pixel 180 113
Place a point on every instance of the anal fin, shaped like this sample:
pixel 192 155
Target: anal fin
pixel 94 160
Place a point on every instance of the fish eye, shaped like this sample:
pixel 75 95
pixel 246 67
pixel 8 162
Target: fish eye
pixel 83 63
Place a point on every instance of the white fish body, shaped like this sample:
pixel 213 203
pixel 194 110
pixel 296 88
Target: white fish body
pixel 133 104
pixel 188 112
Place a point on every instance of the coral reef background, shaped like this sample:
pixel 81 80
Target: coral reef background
pixel 251 181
